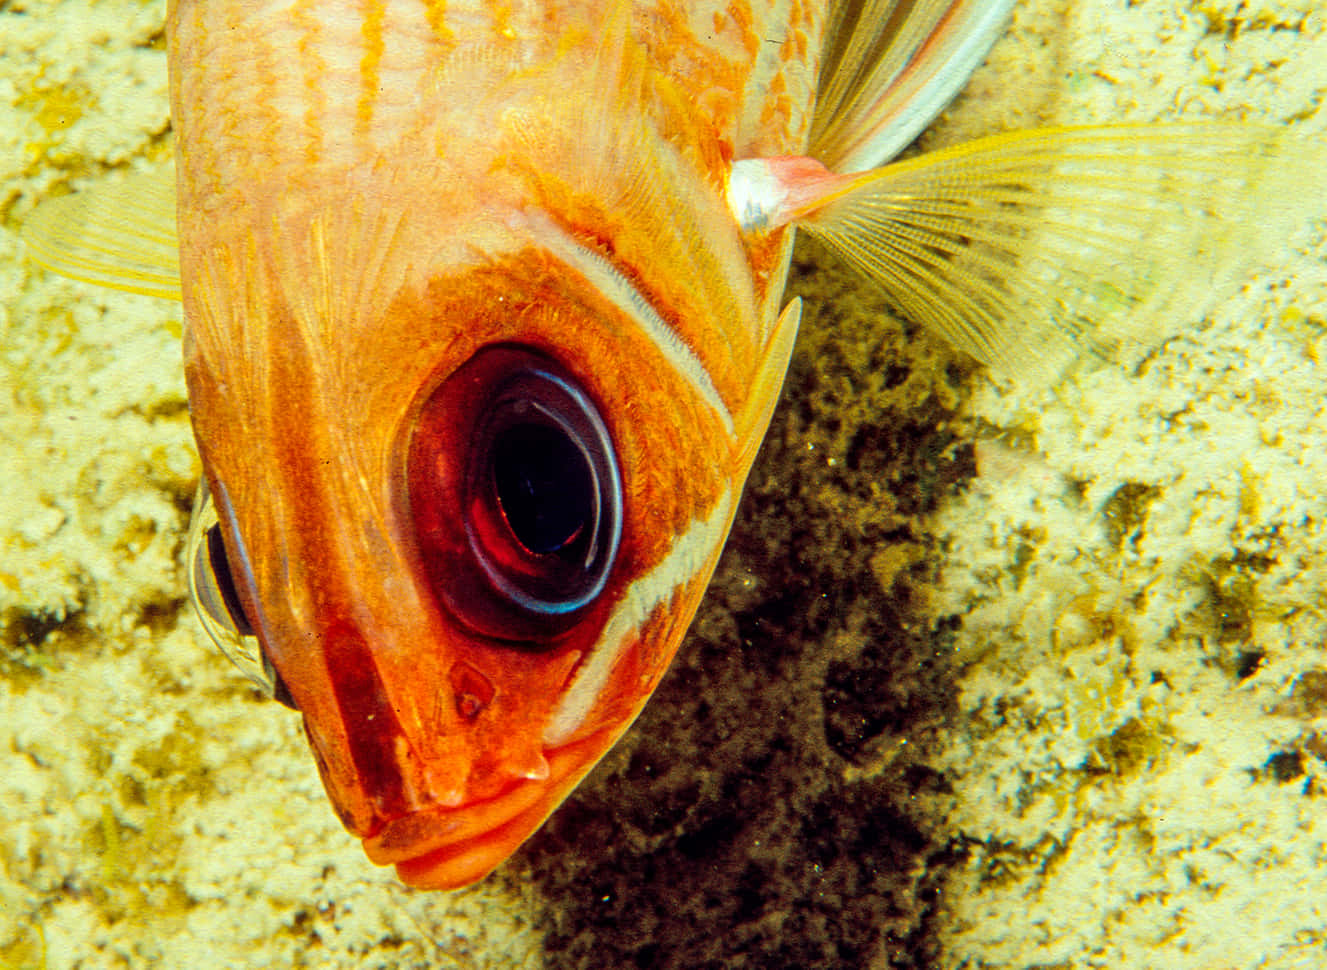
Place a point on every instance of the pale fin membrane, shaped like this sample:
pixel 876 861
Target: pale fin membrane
pixel 891 67
pixel 118 234
pixel 1030 249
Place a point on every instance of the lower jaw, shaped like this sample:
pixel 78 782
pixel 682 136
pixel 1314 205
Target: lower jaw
pixel 467 860
pixel 460 864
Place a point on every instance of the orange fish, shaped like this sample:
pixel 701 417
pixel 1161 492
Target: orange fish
pixel 484 329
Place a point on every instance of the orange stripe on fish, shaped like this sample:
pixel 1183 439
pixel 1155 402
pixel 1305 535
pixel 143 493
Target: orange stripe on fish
pixel 483 331
pixel 370 81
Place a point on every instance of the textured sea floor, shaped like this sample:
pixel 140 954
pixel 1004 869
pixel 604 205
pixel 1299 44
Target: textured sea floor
pixel 989 677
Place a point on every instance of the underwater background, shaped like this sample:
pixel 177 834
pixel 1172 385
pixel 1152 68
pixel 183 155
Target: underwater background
pixel 989 676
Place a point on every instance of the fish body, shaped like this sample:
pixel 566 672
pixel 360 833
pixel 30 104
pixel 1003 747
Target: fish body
pixel 483 328
pixel 387 215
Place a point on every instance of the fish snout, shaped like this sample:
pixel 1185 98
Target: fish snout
pixel 447 847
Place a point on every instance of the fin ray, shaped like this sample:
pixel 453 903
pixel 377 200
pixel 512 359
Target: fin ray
pixel 1029 249
pixel 119 235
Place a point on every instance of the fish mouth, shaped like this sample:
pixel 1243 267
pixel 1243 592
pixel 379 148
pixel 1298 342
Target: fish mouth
pixel 448 848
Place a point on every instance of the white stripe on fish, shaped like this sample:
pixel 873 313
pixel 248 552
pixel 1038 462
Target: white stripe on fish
pixel 617 289
pixel 684 561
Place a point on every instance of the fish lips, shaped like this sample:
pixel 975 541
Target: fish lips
pixel 452 847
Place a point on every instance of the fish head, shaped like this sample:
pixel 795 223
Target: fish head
pixel 466 525
pixel 475 403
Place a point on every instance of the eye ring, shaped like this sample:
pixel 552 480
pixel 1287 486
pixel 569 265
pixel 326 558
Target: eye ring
pixel 514 488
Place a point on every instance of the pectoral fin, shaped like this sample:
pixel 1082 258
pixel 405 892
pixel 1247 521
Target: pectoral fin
pixel 1031 248
pixel 118 234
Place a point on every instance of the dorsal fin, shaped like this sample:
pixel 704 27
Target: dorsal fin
pixel 891 66
pixel 118 234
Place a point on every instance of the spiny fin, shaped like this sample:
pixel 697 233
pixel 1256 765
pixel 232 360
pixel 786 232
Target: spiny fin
pixel 119 235
pixel 1032 248
pixel 752 422
pixel 891 67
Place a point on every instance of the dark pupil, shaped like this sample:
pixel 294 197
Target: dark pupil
pixel 544 485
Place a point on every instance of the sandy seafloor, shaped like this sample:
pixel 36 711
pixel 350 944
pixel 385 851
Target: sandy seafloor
pixel 989 676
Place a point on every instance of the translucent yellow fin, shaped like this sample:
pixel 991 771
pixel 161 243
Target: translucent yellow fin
pixel 1028 249
pixel 752 422
pixel 119 235
pixel 891 67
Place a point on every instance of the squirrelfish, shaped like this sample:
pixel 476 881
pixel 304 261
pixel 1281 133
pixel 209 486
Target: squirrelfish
pixel 484 326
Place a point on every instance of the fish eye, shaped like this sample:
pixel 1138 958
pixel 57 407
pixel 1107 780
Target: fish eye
pixel 516 496
pixel 216 598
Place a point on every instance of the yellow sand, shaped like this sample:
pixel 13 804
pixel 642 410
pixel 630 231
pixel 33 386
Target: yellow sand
pixel 1141 573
